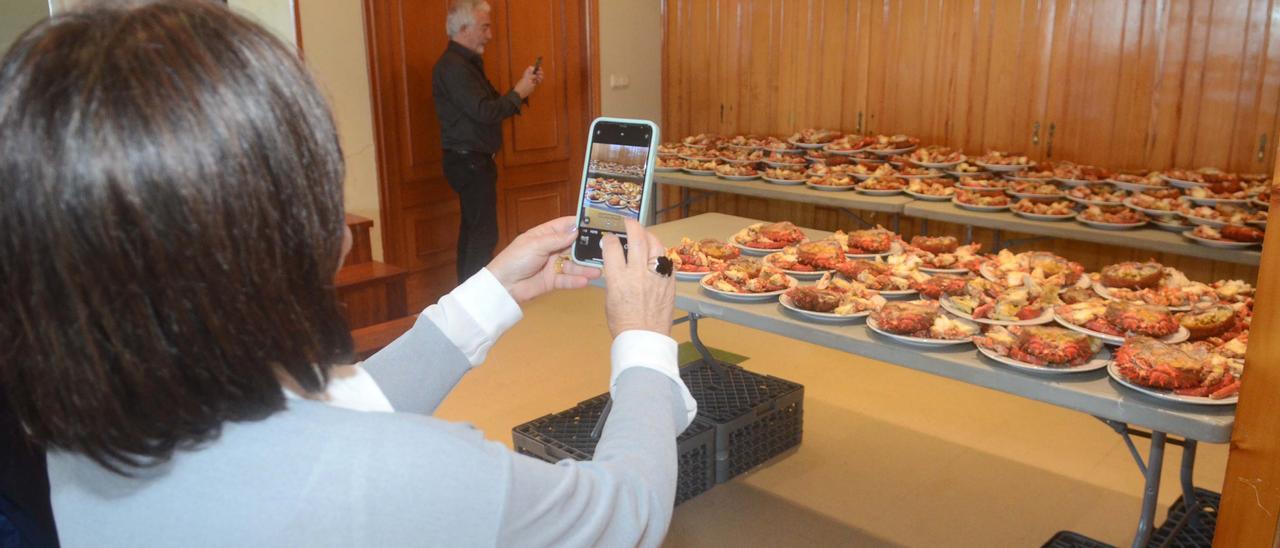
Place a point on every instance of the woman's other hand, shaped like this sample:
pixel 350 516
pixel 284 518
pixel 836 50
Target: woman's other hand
pixel 636 297
pixel 528 266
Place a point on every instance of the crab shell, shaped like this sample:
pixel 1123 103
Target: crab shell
pixel 1053 346
pixel 906 318
pixel 1152 321
pixel 1148 362
pixel 1133 275
pixel 784 232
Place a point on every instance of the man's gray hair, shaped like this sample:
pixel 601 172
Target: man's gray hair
pixel 463 14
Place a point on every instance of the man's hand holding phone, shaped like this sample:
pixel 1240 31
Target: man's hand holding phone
pixel 636 297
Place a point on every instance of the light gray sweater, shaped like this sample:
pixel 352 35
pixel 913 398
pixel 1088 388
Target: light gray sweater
pixel 317 475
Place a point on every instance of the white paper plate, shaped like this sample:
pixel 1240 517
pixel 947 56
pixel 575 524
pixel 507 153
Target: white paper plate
pixel 738 177
pixel 784 182
pixel 807 146
pixel 872 192
pixel 698 171
pixel 784 164
pixel 915 341
pixel 1211 202
pixel 1021 179
pixel 1043 318
pixel 744 147
pixel 659 169
pixel 1094 202
pixel 972 207
pixel 1039 217
pixel 1259 203
pixel 1181 183
pixel 797 274
pixel 1105 292
pixel 891 152
pixel 1001 168
pixel 1178 336
pixel 1260 224
pixel 897 293
pixel 1030 196
pixel 869 256
pixel 821 317
pixel 929 197
pixel 944 165
pixel 1108 226
pixel 826 188
pixel 1175 226
pixel 746 297
pixel 1167 395
pixel 927 176
pixel 1203 221
pixel 1099 361
pixel 1128 202
pixel 981 188
pixel 737 161
pixel 1133 187
pixel 690 276
pixel 1218 243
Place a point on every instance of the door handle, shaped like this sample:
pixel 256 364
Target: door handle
pixel 1035 134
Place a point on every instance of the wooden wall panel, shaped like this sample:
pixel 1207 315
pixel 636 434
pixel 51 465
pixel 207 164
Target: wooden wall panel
pixel 1135 84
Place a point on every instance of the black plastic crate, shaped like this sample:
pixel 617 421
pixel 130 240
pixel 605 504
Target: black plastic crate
pixel 756 417
pixel 567 435
pixel 1196 532
pixel 1070 539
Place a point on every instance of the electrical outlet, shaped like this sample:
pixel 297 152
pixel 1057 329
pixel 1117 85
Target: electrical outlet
pixel 619 81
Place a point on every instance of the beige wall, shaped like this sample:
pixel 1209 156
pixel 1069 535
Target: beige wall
pixel 334 47
pixel 276 15
pixel 16 16
pixel 631 47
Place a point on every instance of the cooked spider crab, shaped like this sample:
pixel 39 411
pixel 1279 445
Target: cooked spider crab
pixel 875 240
pixel 1152 321
pixel 1041 345
pixel 909 318
pixel 1188 370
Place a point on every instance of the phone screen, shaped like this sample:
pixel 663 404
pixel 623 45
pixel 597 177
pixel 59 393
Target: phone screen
pixel 613 187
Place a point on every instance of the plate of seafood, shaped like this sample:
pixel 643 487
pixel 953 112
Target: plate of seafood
pixel 745 280
pixel 1113 321
pixel 1183 373
pixel 832 301
pixel 762 239
pixel 921 323
pixel 694 259
pixel 808 260
pixel 1043 349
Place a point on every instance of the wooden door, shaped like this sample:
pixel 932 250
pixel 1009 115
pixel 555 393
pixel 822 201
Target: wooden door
pixel 541 158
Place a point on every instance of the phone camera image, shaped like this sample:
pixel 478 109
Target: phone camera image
pixel 614 185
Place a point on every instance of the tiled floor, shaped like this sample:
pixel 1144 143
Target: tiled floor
pixel 891 457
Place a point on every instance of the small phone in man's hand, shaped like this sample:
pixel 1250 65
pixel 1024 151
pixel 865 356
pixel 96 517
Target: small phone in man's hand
pixel 537 65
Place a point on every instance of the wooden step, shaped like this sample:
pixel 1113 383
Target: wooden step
pixel 372 292
pixel 373 338
pixel 361 248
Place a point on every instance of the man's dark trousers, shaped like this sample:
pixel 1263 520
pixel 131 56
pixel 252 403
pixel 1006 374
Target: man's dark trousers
pixel 474 176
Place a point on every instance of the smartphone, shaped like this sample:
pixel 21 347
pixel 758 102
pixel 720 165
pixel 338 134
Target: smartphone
pixel 537 65
pixel 617 183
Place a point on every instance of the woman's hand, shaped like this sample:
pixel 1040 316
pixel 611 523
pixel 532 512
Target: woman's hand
pixel 527 267
pixel 636 297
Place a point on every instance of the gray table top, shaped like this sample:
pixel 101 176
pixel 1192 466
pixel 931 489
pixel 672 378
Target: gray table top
pixel 1141 238
pixel 1093 392
pixel 797 193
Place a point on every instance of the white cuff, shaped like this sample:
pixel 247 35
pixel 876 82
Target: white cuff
pixel 475 314
pixel 639 348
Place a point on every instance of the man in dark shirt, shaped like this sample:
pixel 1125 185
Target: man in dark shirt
pixel 471 113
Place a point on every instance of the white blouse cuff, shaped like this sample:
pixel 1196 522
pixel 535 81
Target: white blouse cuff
pixel 639 348
pixel 475 314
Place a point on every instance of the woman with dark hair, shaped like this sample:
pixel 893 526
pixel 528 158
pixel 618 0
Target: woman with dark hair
pixel 170 226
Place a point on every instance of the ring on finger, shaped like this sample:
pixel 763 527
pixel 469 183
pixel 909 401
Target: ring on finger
pixel 560 264
pixel 661 265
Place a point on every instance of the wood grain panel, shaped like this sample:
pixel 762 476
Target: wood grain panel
pixel 1250 509
pixel 544 144
pixel 1126 84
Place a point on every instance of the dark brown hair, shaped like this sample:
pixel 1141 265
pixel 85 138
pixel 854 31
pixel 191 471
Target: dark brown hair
pixel 170 224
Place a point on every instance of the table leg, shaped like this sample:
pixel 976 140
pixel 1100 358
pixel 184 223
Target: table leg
pixel 924 227
pixel 1150 491
pixel 684 203
pixel 896 221
pixel 968 234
